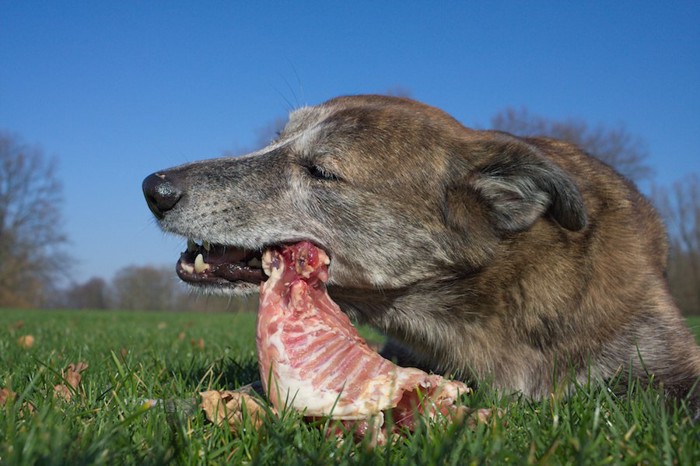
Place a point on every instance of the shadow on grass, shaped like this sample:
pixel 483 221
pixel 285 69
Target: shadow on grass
pixel 225 373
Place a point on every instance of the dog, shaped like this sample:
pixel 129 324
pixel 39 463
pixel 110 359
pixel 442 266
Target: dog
pixel 521 261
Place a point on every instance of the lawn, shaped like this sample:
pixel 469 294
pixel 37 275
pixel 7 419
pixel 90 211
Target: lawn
pixel 134 357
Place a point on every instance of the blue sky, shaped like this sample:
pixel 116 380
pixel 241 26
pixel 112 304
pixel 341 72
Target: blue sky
pixel 117 90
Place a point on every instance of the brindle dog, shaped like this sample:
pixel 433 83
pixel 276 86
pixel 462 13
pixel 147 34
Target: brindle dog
pixel 519 260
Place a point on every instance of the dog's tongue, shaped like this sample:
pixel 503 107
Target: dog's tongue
pixel 313 360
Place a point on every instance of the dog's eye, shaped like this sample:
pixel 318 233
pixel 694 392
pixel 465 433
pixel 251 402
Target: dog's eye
pixel 321 173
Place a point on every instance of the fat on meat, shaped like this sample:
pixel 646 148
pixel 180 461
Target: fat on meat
pixel 313 360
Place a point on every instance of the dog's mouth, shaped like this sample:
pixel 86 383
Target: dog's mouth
pixel 219 265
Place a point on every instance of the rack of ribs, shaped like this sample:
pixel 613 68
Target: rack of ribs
pixel 313 360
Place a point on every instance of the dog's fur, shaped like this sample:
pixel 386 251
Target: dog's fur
pixel 480 254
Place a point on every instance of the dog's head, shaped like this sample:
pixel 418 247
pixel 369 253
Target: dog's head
pixel 396 192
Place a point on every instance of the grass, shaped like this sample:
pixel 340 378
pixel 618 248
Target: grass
pixel 133 357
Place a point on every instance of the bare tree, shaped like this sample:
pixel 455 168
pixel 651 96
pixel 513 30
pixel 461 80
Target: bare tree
pixel 146 288
pixel 93 294
pixel 614 146
pixel 32 261
pixel 681 208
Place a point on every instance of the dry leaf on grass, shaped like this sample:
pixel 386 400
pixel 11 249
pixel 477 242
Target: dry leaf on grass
pixel 197 343
pixel 61 391
pixel 72 376
pixel 6 395
pixel 228 406
pixel 26 341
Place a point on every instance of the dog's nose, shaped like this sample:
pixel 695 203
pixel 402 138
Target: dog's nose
pixel 161 192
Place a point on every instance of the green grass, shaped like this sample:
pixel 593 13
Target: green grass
pixel 694 324
pixel 138 356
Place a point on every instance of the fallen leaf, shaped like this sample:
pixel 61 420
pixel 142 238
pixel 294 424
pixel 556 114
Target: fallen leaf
pixel 26 341
pixel 71 376
pixel 198 343
pixel 61 391
pixel 227 407
pixel 6 395
pixel 28 408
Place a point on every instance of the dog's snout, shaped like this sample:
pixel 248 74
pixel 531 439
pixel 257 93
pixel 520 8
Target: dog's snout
pixel 162 193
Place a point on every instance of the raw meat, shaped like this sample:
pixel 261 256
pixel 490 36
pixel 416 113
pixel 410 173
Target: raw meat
pixel 313 360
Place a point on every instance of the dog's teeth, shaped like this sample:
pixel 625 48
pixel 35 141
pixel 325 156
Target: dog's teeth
pixel 191 245
pixel 206 245
pixel 187 268
pixel 254 263
pixel 199 264
pixel 267 262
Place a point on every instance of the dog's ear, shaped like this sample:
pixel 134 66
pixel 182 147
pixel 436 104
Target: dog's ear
pixel 519 185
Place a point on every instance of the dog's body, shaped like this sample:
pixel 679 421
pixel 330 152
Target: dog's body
pixel 480 254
